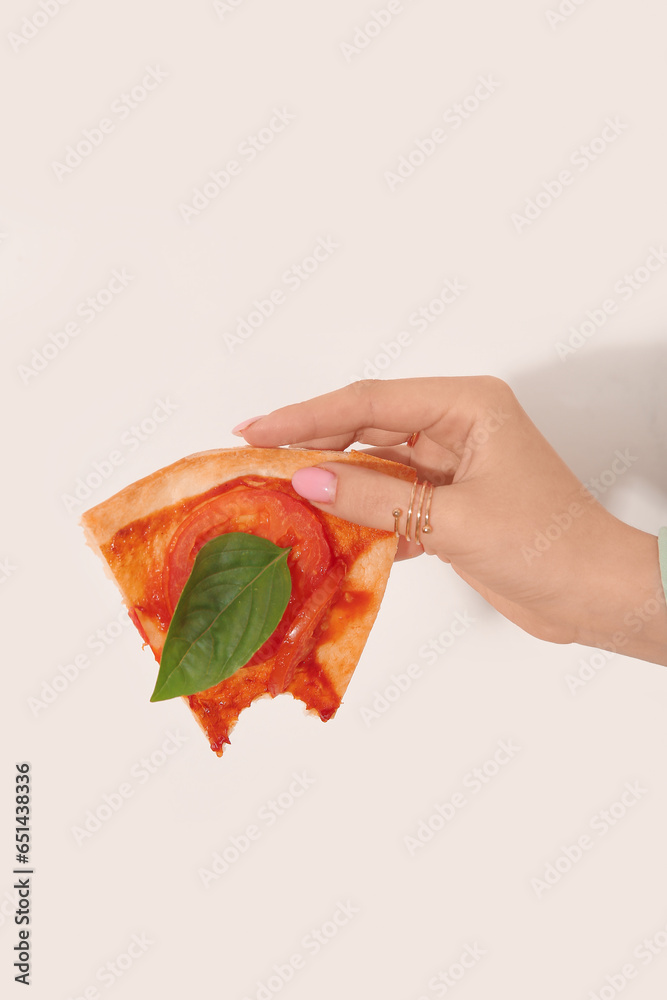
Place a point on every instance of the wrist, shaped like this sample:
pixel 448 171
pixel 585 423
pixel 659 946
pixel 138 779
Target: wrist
pixel 627 612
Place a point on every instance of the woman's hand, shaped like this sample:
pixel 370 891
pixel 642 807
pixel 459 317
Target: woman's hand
pixel 507 513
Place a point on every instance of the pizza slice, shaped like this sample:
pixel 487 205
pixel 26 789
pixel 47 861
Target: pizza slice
pixel 149 534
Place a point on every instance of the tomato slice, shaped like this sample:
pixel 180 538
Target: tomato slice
pixel 295 644
pixel 272 514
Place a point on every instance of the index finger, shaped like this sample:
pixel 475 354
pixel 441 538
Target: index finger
pixel 400 406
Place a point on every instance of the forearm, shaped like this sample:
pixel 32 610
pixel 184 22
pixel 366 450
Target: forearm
pixel 627 612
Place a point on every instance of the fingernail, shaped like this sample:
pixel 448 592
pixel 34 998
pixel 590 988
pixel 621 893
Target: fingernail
pixel 245 423
pixel 315 484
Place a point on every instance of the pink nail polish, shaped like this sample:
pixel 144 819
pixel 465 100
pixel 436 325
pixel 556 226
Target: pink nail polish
pixel 238 430
pixel 315 484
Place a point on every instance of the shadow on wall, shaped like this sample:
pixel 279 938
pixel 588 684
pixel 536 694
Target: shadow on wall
pixel 595 403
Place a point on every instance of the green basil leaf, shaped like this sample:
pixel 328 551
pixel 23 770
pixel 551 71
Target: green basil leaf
pixel 232 602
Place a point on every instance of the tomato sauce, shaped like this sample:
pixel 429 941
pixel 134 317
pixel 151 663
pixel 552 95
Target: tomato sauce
pixel 318 564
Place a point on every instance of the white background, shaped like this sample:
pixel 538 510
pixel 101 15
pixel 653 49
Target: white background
pixel 356 112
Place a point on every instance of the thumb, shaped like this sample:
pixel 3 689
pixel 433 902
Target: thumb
pixel 371 498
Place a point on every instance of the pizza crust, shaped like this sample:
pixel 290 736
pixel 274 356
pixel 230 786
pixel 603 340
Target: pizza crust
pixel 340 645
pixel 206 469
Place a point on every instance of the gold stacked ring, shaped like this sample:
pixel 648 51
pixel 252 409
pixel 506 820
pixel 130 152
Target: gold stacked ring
pixel 423 494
